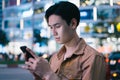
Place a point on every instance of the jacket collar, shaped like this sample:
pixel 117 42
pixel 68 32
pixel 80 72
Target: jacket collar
pixel 79 50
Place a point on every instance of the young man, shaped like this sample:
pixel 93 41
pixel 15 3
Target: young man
pixel 75 60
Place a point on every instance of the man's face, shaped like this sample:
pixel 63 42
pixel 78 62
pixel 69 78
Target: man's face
pixel 61 31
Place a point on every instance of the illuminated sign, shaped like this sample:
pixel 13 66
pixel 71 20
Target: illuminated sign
pixel 86 14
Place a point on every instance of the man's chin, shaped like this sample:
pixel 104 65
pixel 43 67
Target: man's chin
pixel 59 42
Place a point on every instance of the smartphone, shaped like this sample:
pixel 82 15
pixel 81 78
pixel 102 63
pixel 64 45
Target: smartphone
pixel 28 55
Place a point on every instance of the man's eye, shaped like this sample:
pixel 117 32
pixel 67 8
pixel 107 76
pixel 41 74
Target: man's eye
pixel 57 26
pixel 50 27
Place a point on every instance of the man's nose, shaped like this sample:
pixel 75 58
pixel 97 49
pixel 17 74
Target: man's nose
pixel 54 32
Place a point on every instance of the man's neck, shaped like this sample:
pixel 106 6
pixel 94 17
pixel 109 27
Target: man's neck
pixel 70 48
pixel 71 45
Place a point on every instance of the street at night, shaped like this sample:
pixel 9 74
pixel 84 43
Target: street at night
pixel 14 74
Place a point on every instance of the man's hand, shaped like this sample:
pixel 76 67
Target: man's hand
pixel 37 65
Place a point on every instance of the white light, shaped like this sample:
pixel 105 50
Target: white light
pixel 43 33
pixel 111 29
pixel 47 6
pixel 51 46
pixel 45 56
pixel 18 2
pixel 112 62
pixel 27 13
pixel 3 4
pixel 83 24
pixel 21 24
pixel 76 2
pixel 95 13
pixel 111 2
pixel 83 13
pixel 38 0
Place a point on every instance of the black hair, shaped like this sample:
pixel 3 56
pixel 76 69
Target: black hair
pixel 66 10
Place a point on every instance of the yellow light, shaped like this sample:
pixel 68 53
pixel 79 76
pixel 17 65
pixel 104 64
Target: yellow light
pixel 118 27
pixel 87 29
pixel 114 74
pixel 118 2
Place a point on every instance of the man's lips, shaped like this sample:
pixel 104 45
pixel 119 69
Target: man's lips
pixel 57 39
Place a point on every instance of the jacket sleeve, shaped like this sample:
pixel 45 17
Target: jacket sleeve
pixel 99 68
pixel 54 66
pixel 37 78
pixel 50 75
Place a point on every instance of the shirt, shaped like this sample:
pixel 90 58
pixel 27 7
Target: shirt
pixel 85 63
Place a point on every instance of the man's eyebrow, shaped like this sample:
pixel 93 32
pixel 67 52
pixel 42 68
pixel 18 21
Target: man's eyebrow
pixel 54 24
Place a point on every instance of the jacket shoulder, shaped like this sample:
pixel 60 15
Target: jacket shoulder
pixel 91 51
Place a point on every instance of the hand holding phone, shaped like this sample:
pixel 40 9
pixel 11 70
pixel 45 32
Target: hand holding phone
pixel 28 55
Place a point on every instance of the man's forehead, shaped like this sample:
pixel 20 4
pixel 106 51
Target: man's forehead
pixel 55 22
pixel 55 19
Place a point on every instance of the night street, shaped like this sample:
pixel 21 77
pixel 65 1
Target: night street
pixel 14 74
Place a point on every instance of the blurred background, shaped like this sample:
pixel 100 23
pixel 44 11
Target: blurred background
pixel 22 23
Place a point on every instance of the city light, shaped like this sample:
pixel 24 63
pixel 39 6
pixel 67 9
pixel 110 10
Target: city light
pixel 27 13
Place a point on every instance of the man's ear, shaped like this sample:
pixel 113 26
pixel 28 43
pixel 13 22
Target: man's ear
pixel 73 23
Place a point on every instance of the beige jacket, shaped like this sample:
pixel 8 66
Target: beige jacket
pixel 85 64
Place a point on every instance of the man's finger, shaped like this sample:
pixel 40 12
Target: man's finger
pixel 32 53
